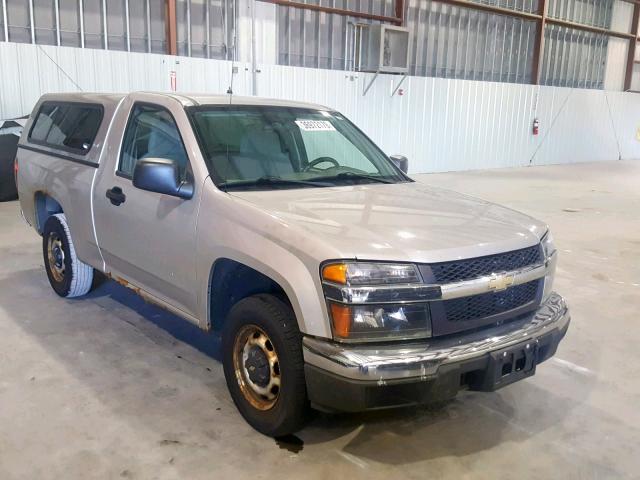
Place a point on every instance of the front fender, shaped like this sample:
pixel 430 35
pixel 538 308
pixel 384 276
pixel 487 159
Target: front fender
pixel 240 232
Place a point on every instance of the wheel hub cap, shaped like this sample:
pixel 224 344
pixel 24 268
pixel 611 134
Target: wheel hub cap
pixel 55 256
pixel 257 367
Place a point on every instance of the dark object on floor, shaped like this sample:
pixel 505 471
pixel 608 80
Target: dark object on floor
pixel 8 149
pixel 290 442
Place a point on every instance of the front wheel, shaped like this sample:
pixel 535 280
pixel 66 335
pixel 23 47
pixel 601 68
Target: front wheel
pixel 263 364
pixel 68 276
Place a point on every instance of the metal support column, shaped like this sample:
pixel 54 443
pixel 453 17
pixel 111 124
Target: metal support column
pixel 128 29
pixel 57 8
pixel 254 66
pixel 188 28
pixel 319 38
pixel 400 11
pixel 172 37
pixel 4 20
pixel 225 25
pixel 81 16
pixel 105 29
pixel 633 43
pixel 331 27
pixel 148 15
pixel 32 22
pixel 538 47
pixel 207 18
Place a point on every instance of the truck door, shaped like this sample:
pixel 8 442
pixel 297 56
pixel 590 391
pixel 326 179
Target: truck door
pixel 147 238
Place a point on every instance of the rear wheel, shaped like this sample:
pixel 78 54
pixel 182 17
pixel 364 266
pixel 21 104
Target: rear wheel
pixel 263 365
pixel 68 276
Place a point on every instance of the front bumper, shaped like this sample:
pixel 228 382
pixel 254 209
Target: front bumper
pixel 354 378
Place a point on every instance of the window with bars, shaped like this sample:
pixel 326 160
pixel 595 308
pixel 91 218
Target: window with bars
pixel 573 58
pixel 455 42
pixel 204 28
pixel 80 23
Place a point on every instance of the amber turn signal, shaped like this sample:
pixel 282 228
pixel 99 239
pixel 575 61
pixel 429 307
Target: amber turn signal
pixel 341 317
pixel 335 272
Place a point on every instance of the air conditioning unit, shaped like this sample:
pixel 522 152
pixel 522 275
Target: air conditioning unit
pixel 383 49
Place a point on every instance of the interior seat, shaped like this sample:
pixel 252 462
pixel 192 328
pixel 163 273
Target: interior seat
pixel 261 155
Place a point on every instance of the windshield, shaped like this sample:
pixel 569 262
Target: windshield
pixel 254 147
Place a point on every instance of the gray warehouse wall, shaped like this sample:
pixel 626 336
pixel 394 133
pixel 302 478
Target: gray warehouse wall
pixel 440 124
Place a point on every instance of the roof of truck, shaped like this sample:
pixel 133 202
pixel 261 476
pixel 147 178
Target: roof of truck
pixel 84 97
pixel 187 99
pixel 209 99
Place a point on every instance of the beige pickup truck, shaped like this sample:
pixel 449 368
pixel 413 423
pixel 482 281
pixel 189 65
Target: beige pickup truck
pixel 335 280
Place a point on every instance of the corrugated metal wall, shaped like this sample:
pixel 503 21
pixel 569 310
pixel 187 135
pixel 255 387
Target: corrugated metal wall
pixel 450 41
pixel 440 124
pixel 455 42
pixel 589 12
pixel 574 58
pixel 136 25
pixel 208 25
pixel 446 41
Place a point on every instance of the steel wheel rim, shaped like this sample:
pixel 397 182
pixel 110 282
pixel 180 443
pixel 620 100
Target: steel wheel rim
pixel 250 344
pixel 55 256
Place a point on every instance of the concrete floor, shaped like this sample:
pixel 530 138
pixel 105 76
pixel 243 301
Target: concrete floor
pixel 110 387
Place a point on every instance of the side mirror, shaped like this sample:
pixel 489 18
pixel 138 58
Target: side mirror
pixel 401 162
pixel 161 175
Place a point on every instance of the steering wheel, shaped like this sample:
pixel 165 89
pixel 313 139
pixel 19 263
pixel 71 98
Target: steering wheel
pixel 320 160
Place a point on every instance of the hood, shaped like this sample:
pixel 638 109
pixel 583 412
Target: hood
pixel 399 222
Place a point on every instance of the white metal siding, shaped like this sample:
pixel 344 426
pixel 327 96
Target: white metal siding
pixel 440 124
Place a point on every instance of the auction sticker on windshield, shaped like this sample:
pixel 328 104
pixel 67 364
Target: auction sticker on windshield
pixel 315 125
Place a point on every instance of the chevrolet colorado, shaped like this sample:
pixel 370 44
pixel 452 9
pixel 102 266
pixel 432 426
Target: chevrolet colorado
pixel 335 280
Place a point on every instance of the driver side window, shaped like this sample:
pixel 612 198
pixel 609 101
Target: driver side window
pixel 151 133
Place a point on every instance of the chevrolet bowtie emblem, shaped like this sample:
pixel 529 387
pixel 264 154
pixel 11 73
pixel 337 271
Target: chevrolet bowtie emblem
pixel 501 281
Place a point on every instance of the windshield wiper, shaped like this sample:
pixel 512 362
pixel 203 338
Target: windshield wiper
pixel 268 181
pixel 355 176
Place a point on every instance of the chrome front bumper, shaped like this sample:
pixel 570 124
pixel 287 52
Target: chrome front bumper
pixel 421 361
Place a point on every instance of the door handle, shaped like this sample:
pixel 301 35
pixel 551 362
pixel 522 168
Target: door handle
pixel 116 196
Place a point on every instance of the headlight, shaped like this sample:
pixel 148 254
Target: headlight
pixel 548 246
pixel 380 322
pixel 370 273
pixel 550 259
pixel 377 301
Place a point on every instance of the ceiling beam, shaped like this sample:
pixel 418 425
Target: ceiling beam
pixel 589 28
pixel 339 11
pixel 483 7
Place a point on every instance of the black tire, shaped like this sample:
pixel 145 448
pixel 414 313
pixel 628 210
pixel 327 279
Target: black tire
pixel 8 149
pixel 68 276
pixel 276 319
